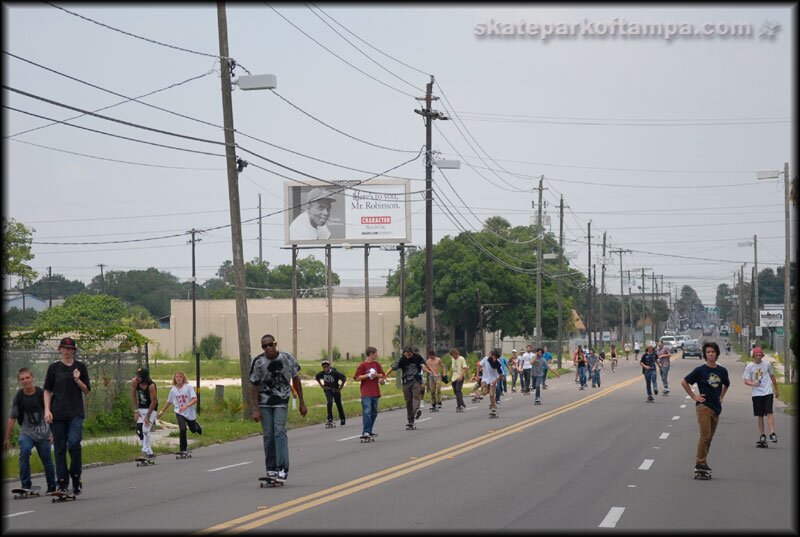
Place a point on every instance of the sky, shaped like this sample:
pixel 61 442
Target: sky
pixel 656 141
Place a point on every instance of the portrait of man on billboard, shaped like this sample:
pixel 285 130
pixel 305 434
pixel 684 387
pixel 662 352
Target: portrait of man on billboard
pixel 312 223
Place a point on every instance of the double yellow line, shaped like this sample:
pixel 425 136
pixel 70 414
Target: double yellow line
pixel 298 505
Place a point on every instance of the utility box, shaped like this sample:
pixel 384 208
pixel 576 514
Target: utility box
pixel 257 82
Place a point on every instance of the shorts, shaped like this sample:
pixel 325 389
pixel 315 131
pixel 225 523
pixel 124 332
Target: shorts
pixel 762 405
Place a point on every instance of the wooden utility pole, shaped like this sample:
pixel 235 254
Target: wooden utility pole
pixel 603 296
pixel 366 296
pixel 589 288
pixel 540 231
pixel 560 275
pixel 329 284
pixel 294 300
pixel 195 354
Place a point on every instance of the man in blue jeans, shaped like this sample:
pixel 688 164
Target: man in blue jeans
pixel 27 408
pixel 271 374
pixel 648 363
pixel 370 374
pixel 65 384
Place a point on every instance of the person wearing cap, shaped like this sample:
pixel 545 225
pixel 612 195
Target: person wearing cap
pixel 370 374
pixel 145 403
pixel 712 384
pixel 759 375
pixel 312 224
pixel 412 365
pixel 329 379
pixel 65 384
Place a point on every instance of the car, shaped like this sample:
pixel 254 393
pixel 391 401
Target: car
pixel 670 342
pixel 681 339
pixel 724 331
pixel 698 326
pixel 691 349
pixel 707 331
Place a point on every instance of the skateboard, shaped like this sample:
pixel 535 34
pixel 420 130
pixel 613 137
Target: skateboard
pixel 143 460
pixel 476 399
pixel 434 408
pixel 330 425
pixel 493 414
pixel 459 409
pixel 183 455
pixel 365 438
pixel 411 427
pixel 651 400
pixel 63 497
pixel 760 444
pixel 32 492
pixel 537 402
pixel 702 474
pixel 269 482
pixel 665 394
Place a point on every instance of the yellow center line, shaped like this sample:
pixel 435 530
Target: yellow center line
pixel 292 507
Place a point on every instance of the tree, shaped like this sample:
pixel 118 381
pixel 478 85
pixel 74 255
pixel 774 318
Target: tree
pixel 61 287
pixel 94 320
pixel 17 240
pixel 689 305
pixel 17 319
pixel 262 282
pixel 151 288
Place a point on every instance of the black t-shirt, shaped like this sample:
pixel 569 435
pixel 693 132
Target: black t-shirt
pixel 143 399
pixel 28 410
pixel 710 381
pixel 411 367
pixel 67 399
pixel 648 359
pixel 331 379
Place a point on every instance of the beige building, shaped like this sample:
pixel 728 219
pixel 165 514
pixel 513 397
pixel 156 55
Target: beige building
pixel 274 316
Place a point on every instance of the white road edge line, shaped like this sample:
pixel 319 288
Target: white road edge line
pixel 613 516
pixel 646 464
pixel 683 406
pixel 675 418
pixel 17 514
pixel 231 466
pixel 663 436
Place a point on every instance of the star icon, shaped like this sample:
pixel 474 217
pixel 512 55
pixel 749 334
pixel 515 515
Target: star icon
pixel 769 29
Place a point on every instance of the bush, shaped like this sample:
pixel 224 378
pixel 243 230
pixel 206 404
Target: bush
pixel 210 347
pixel 337 354
pixel 118 419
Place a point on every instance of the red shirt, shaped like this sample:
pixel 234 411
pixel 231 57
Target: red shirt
pixel 369 387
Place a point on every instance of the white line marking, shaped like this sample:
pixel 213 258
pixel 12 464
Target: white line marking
pixel 683 406
pixel 675 418
pixel 613 516
pixel 687 397
pixel 646 464
pixel 349 438
pixel 423 419
pixel 20 513
pixel 631 486
pixel 656 447
pixel 231 466
pixel 663 436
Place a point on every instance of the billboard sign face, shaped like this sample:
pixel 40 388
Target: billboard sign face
pixel 771 318
pixel 347 212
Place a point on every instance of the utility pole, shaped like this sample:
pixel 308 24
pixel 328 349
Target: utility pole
pixel 260 236
pixel 788 359
pixel 195 354
pixel 429 116
pixel 589 287
pixel 402 299
pixel 366 296
pixel 294 300
pixel 741 304
pixel 540 231
pixel 102 278
pixel 756 315
pixel 644 313
pixel 233 168
pixel 603 295
pixel 653 307
pixel 50 284
pixel 621 295
pixel 480 324
pixel 560 275
pixel 329 284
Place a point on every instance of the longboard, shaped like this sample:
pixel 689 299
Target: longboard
pixel 183 455
pixel 702 474
pixel 269 482
pixel 145 461
pixel 63 496
pixel 32 492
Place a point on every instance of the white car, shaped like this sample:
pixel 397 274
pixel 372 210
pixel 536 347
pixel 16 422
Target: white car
pixel 670 342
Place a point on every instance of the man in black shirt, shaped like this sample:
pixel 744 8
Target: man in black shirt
pixel 329 378
pixel 65 384
pixel 412 365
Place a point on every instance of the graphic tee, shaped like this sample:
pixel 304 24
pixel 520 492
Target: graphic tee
pixel 710 381
pixel 181 396
pixel 761 373
pixel 28 410
pixel 274 378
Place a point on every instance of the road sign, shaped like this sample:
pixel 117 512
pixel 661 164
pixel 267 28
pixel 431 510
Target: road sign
pixel 779 331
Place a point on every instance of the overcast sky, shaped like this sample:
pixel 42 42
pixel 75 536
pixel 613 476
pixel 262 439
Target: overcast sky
pixel 656 141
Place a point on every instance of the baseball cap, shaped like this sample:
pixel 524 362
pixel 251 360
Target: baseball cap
pixel 757 349
pixel 68 343
pixel 319 194
pixel 513 350
pixel 326 362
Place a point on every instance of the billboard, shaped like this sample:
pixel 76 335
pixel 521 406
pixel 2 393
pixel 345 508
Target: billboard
pixel 347 212
pixel 771 318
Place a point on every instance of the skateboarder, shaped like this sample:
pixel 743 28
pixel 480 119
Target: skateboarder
pixel 329 378
pixel 648 363
pixel 183 399
pixel 538 372
pixel 65 384
pixel 712 384
pixel 145 404
pixel 434 378
pixel 458 368
pixel 412 366
pixel 663 361
pixel 371 375
pixel 27 408
pixel 759 376
pixel 273 373
pixel 489 371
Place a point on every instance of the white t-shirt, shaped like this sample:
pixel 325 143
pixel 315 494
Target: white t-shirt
pixel 759 372
pixel 488 373
pixel 301 229
pixel 181 396
pixel 526 359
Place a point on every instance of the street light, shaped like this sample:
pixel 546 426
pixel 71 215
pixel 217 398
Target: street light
pixel 788 360
pixel 754 308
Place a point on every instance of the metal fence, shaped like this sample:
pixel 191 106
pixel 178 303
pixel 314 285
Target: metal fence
pixel 108 372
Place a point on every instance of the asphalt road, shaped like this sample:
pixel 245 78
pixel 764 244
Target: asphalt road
pixel 599 458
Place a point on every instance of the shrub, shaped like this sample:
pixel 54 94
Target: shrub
pixel 210 347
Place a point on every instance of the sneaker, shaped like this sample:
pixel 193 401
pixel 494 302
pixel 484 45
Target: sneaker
pixel 656 391
pixel 76 485
pixel 272 474
pixel 762 439
pixel 773 437
pixel 50 489
pixel 513 390
pixel 418 414
pixel 151 456
pixel 343 422
pixel 280 476
pixel 199 429
pixel 650 398
pixel 703 467
pixel 373 435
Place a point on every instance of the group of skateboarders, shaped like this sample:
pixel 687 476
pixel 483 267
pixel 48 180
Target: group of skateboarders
pixel 54 413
